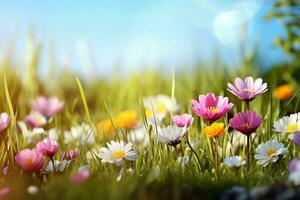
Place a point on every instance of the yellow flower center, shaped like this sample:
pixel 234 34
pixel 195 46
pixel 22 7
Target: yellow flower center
pixel 161 108
pixel 28 162
pixel 148 113
pixel 212 109
pixel 247 125
pixel 271 152
pixel 292 127
pixel 118 154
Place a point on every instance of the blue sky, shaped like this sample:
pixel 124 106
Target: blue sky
pixel 138 33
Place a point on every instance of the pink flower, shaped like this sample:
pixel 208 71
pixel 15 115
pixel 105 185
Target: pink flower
pixel 4 121
pixel 5 170
pixel 246 122
pixel 36 119
pixel 247 89
pixel 47 107
pixel 183 120
pixel 81 176
pixel 211 108
pixel 47 147
pixel 4 191
pixel 71 154
pixel 30 160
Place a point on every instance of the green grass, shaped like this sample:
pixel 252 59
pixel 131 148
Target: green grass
pixel 92 101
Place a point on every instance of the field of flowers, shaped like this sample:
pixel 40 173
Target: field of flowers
pixel 208 133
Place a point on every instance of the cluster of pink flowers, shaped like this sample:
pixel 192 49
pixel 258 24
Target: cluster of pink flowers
pixel 246 90
pixel 42 110
pixel 211 107
pixel 32 160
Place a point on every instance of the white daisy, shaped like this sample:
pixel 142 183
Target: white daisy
pixel 83 135
pixel 288 124
pixel 269 152
pixel 171 135
pixel 158 107
pixel 117 152
pixel 234 161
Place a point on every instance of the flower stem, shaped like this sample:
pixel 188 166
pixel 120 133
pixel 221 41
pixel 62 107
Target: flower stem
pixel 247 105
pixel 216 156
pixel 53 164
pixel 248 152
pixel 194 152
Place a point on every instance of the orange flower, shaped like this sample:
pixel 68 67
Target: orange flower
pixel 105 127
pixel 283 92
pixel 214 130
pixel 126 119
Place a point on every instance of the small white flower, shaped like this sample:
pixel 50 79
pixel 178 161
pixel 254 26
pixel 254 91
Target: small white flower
pixel 158 107
pixel 117 153
pixel 234 161
pixel 183 160
pixel 84 167
pixel 32 189
pixel 288 124
pixel 269 152
pixel 171 135
pixel 60 166
pixel 194 145
pixel 83 135
pixel 37 119
pixel 52 134
pixel 30 135
pixel 139 136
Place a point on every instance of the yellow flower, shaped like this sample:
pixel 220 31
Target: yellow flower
pixel 283 92
pixel 105 127
pixel 126 119
pixel 214 130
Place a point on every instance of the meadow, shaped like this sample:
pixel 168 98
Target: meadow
pixel 146 135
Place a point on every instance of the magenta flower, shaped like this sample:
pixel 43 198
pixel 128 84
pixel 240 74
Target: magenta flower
pixel 296 138
pixel 293 165
pixel 47 107
pixel 245 122
pixel 81 176
pixel 183 120
pixel 47 147
pixel 247 89
pixel 5 171
pixel 211 108
pixel 30 160
pixel 4 121
pixel 4 191
pixel 71 154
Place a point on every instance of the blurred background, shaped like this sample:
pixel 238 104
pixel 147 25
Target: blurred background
pixel 97 38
